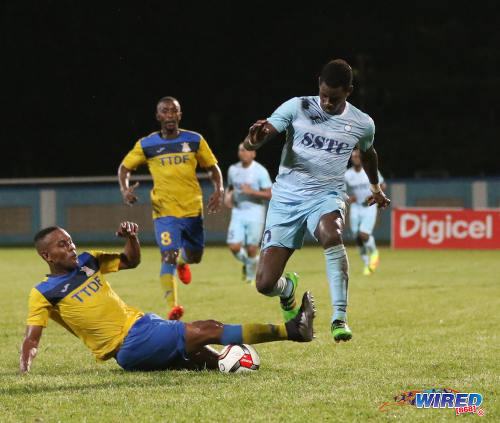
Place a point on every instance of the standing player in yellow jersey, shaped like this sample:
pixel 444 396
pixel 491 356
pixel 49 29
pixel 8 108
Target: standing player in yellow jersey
pixel 172 155
pixel 77 296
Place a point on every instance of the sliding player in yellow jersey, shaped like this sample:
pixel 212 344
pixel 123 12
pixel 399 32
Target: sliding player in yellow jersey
pixel 77 296
pixel 172 155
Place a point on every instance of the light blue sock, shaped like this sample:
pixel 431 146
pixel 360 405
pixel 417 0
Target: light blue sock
pixel 241 255
pixel 370 245
pixel 337 270
pixel 252 267
pixel 364 256
pixel 282 288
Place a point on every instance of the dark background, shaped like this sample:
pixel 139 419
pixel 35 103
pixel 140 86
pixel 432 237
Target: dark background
pixel 81 80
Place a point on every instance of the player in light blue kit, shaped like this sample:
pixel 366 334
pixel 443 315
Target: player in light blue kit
pixel 309 191
pixel 249 189
pixel 362 217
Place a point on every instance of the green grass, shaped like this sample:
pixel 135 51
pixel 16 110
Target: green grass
pixel 425 319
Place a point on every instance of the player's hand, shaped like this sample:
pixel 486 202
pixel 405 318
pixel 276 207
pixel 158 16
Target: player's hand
pixel 128 195
pixel 379 199
pixel 228 199
pixel 258 132
pixel 215 201
pixel 246 189
pixel 128 230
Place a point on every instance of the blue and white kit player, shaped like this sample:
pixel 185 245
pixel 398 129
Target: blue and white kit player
pixel 248 192
pixel 309 191
pixel 362 217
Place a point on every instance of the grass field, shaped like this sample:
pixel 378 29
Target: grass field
pixel 425 319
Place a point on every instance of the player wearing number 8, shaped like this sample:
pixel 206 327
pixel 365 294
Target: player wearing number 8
pixel 172 155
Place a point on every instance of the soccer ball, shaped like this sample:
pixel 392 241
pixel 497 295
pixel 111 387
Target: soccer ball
pixel 237 358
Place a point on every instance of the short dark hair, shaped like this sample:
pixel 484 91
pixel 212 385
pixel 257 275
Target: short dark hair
pixel 336 73
pixel 41 234
pixel 168 99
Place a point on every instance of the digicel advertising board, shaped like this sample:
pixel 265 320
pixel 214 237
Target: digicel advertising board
pixel 445 228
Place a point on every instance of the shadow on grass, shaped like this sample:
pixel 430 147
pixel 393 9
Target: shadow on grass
pixel 115 378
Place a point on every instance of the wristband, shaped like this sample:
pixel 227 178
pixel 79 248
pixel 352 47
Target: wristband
pixel 375 188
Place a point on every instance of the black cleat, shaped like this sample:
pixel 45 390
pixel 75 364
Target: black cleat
pixel 300 328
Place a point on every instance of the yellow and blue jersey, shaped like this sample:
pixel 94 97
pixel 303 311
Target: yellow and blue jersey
pixel 172 164
pixel 84 303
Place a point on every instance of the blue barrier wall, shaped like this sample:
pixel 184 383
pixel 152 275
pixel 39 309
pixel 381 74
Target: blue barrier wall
pixel 91 211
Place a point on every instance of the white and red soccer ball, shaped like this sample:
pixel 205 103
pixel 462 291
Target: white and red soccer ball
pixel 238 358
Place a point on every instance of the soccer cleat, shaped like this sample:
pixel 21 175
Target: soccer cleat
pixel 367 271
pixel 176 313
pixel 374 260
pixel 289 306
pixel 340 331
pixel 300 328
pixel 250 282
pixel 184 273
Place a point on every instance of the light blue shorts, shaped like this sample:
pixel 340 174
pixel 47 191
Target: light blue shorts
pixel 286 223
pixel 242 229
pixel 362 219
pixel 153 343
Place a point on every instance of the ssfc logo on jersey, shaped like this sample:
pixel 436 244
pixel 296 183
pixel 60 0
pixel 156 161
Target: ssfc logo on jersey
pixel 186 148
pixel 327 144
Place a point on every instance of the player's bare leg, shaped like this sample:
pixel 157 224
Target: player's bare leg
pixel 329 234
pixel 270 280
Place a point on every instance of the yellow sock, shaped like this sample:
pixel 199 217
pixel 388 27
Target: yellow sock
pixel 255 333
pixel 169 286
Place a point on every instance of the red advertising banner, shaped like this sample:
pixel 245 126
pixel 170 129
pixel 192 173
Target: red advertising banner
pixel 445 228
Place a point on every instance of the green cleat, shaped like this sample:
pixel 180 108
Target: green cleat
pixel 289 306
pixel 374 260
pixel 340 330
pixel 367 271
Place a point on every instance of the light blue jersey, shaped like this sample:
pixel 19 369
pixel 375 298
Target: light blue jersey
pixel 358 184
pixel 257 177
pixel 317 148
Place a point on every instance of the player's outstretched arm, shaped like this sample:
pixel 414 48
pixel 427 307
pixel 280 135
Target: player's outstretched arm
pixel 258 134
pixel 131 256
pixel 127 191
pixel 369 159
pixel 215 200
pixel 29 347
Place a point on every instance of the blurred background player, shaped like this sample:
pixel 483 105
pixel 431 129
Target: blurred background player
pixel 172 155
pixel 249 188
pixel 77 296
pixel 308 194
pixel 362 217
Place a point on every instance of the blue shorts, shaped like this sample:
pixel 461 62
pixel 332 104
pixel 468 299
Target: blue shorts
pixel 242 229
pixel 173 233
pixel 286 223
pixel 152 343
pixel 362 219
